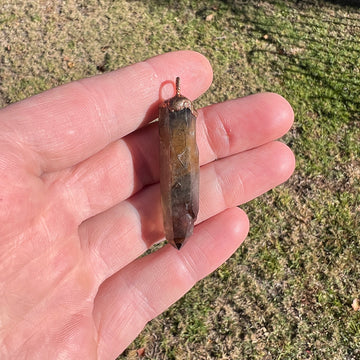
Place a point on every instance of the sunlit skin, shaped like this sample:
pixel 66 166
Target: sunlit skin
pixel 79 203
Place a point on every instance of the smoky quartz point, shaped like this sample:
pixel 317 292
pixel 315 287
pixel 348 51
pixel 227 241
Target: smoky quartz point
pixel 179 167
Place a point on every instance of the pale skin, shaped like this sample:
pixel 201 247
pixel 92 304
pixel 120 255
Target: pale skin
pixel 79 203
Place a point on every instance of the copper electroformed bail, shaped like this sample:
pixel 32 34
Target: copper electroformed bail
pixel 177 86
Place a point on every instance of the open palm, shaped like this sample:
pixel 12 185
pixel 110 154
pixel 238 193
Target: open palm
pixel 79 203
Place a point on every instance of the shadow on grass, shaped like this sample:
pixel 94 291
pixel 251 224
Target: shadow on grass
pixel 346 3
pixel 310 48
pixel 354 3
pixel 329 62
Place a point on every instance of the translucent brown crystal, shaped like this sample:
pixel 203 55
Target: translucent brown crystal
pixel 179 167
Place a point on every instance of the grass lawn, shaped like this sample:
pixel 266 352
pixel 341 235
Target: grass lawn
pixel 287 292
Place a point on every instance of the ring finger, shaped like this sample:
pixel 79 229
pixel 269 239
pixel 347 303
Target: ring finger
pixel 119 235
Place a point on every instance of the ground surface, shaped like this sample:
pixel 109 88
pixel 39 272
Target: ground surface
pixel 287 292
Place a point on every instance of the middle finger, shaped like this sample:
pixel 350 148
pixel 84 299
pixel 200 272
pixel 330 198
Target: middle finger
pixel 126 166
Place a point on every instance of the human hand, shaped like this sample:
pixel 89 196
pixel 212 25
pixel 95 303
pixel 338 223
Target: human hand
pixel 79 203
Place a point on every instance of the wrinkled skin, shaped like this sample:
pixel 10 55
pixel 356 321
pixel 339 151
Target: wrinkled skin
pixel 79 203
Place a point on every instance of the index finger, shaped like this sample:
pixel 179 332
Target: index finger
pixel 67 124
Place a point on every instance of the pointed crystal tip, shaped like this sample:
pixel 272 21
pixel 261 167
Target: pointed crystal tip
pixel 177 243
